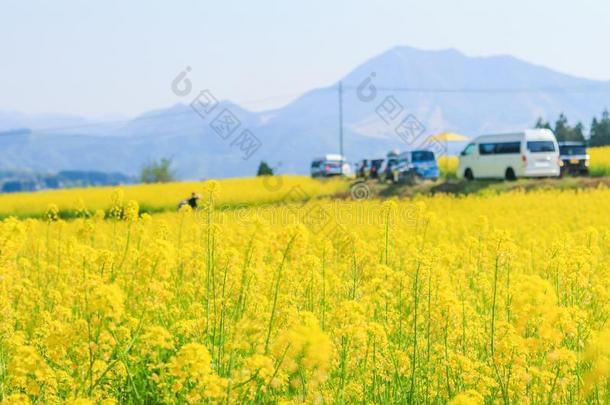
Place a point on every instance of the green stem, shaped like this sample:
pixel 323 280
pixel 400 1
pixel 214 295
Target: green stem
pixel 278 279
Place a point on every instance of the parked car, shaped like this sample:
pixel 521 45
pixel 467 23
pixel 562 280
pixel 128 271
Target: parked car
pixel 362 168
pixel 531 153
pixel 574 157
pixel 417 164
pixel 375 168
pixel 330 165
pixel 387 171
pixel 369 168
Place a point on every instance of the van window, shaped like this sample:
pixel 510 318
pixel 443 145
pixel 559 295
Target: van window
pixel 500 148
pixel 487 148
pixel 315 164
pixel 422 156
pixel 468 150
pixel 505 148
pixel 540 146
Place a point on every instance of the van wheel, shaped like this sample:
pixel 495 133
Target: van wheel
pixel 468 175
pixel 510 174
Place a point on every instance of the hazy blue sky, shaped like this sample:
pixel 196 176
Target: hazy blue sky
pixel 119 57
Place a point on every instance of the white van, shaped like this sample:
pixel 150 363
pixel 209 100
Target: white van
pixel 330 165
pixel 531 153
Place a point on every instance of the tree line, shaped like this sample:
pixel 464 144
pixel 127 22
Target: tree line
pixel 599 134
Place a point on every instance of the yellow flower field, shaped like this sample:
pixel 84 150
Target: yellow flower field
pixel 600 160
pixel 600 155
pixel 165 196
pixel 447 165
pixel 469 300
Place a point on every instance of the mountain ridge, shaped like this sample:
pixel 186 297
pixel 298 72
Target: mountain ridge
pixel 440 89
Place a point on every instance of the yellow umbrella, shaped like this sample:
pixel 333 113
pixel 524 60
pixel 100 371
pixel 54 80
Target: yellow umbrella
pixel 447 137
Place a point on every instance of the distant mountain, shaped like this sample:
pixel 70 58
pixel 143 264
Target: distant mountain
pixel 434 90
pixel 56 123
